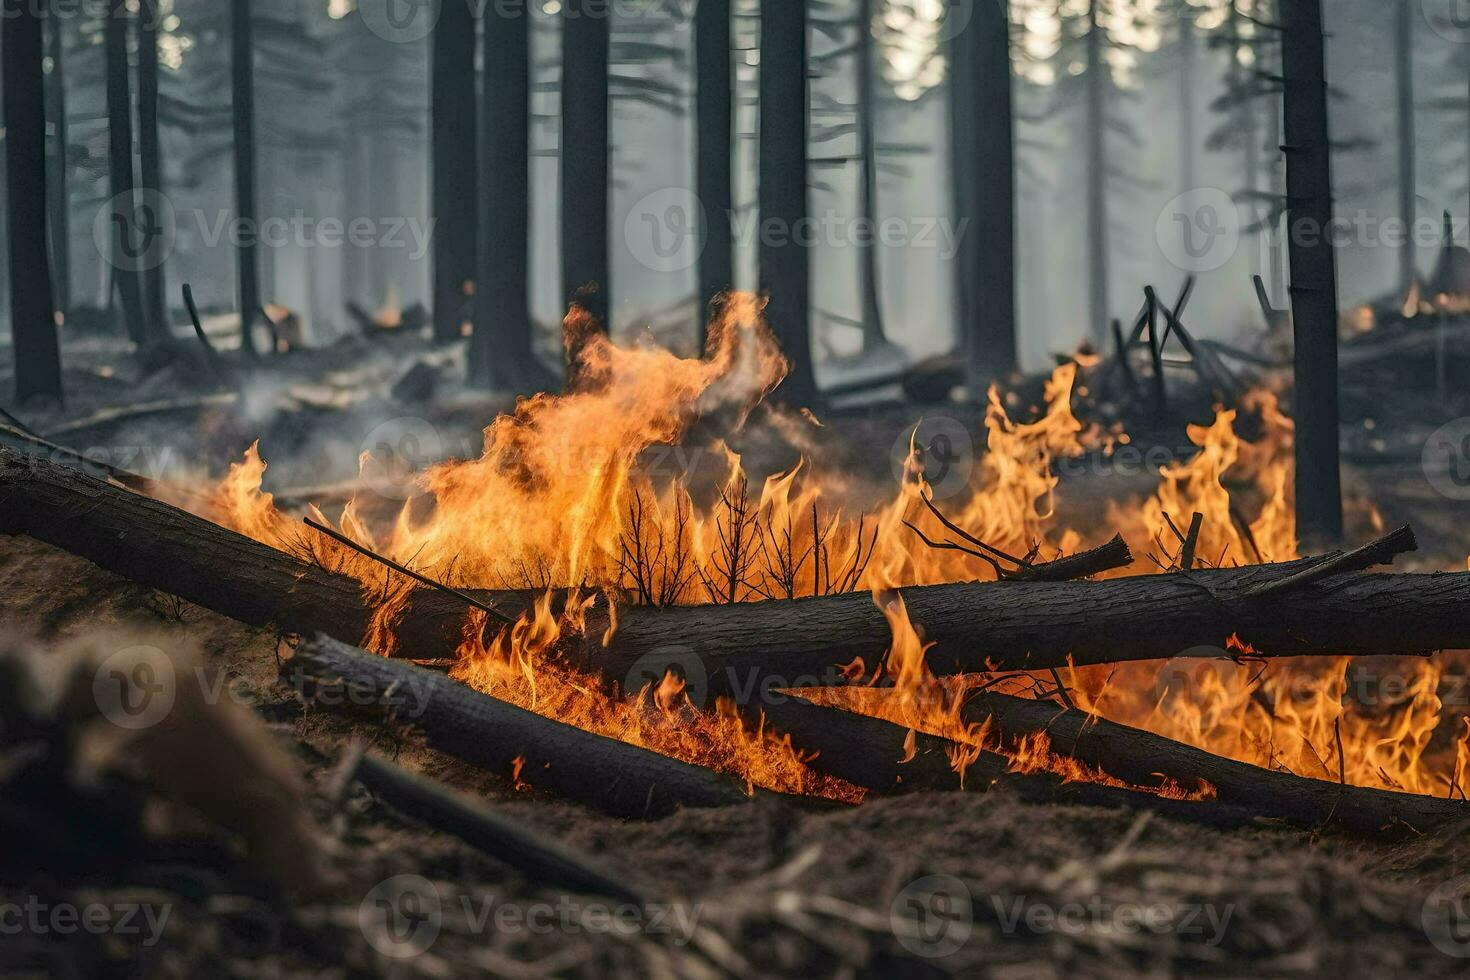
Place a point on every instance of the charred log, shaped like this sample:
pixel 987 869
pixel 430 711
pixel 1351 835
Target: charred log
pixel 611 776
pixel 1145 759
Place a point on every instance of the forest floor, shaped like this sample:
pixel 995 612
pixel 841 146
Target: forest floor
pixel 795 888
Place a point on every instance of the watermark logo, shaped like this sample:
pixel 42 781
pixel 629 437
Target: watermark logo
pixel 1199 231
pixel 651 669
pixel 395 452
pixel 1446 459
pixel 1446 917
pixel 135 687
pixel 942 447
pixel 1450 19
pixel 933 916
pixel 401 21
pixel 667 230
pixel 401 916
pixel 136 230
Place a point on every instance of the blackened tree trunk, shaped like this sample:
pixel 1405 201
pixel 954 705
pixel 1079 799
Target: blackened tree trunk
pixel 501 351
pixel 1313 273
pixel 59 183
pixel 242 87
pixel 983 165
pixel 150 173
pixel 128 249
pixel 1097 82
pixel 714 174
pixel 452 99
pixel 1408 185
pixel 585 156
pixel 869 276
pixel 785 233
pixel 32 318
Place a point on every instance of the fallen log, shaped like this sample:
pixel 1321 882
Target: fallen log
pixel 611 776
pixel 543 860
pixel 874 754
pixel 744 651
pixel 1142 758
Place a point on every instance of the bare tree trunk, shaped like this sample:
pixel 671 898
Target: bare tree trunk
pixel 242 77
pixel 982 141
pixel 59 184
pixel 1188 138
pixel 501 354
pixel 32 318
pixel 715 112
pixel 869 257
pixel 1097 181
pixel 155 296
pixel 585 157
pixel 452 99
pixel 1313 275
pixel 785 257
pixel 120 173
pixel 1408 189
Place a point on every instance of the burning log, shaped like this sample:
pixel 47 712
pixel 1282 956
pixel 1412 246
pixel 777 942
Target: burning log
pixel 1145 759
pixel 743 650
pixel 611 776
pixel 875 754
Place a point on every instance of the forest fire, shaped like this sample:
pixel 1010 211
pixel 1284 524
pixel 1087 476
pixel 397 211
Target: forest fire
pixel 562 502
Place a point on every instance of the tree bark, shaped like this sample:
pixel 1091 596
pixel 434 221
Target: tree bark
pixel 585 157
pixel 501 353
pixel 242 87
pixel 745 650
pixel 714 152
pixel 784 251
pixel 1313 275
pixel 613 777
pixel 982 136
pixel 120 174
pixel 155 295
pixel 32 315
pixel 452 108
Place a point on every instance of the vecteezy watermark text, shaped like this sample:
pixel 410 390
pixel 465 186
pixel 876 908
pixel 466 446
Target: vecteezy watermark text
pixel 36 917
pixel 138 231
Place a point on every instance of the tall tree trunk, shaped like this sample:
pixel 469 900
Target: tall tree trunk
pixel 1313 274
pixel 501 351
pixel 452 100
pixel 869 257
pixel 1097 181
pixel 785 257
pixel 1408 184
pixel 59 183
pixel 1246 119
pixel 155 297
pixel 32 318
pixel 1278 192
pixel 714 174
pixel 242 88
pixel 585 157
pixel 982 162
pixel 120 173
pixel 1188 138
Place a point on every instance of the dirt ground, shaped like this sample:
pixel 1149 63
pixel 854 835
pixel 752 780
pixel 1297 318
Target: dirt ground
pixel 968 884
